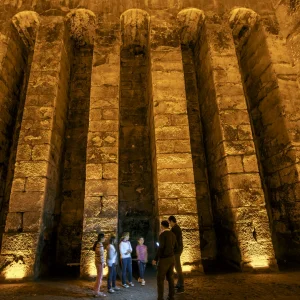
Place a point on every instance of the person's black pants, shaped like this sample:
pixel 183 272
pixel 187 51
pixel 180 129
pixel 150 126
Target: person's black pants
pixel 165 269
pixel 180 281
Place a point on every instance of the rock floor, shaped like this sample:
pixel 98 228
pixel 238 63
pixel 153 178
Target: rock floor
pixel 281 285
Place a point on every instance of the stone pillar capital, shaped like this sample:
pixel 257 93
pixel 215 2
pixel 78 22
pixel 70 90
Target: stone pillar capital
pixel 135 28
pixel 27 24
pixel 82 25
pixel 241 21
pixel 190 22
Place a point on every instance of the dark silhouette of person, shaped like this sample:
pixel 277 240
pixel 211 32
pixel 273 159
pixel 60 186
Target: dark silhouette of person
pixel 165 261
pixel 178 233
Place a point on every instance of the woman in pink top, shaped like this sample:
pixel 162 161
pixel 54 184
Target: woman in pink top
pixel 142 257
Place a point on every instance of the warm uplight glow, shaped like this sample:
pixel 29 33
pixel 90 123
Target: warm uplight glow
pixel 259 262
pixel 16 270
pixel 187 268
pixel 92 272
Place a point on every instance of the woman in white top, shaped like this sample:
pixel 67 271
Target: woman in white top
pixel 125 252
pixel 111 263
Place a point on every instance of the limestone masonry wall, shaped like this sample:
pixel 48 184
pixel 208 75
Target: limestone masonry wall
pixel 116 114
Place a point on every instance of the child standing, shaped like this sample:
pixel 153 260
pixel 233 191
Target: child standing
pixel 111 263
pixel 142 257
pixel 99 263
pixel 125 252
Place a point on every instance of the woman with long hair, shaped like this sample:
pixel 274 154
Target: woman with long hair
pixel 125 252
pixel 99 263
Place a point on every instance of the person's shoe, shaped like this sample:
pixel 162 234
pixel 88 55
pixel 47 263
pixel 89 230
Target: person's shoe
pixel 100 294
pixel 111 291
pixel 143 282
pixel 126 286
pixel 180 291
pixel 170 298
pixel 131 284
pixel 116 288
pixel 140 280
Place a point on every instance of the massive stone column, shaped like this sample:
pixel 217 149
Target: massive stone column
pixel 190 21
pixel 270 82
pixel 16 47
pixel 31 207
pixel 70 204
pixel 136 192
pixel 240 217
pixel 172 157
pixel 101 185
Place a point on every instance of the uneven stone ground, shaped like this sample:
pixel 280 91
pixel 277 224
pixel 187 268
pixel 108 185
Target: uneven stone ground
pixel 282 285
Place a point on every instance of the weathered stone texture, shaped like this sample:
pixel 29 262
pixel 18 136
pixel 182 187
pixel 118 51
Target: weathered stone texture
pixel 35 201
pixel 169 106
pixel 15 60
pixel 230 141
pixel 73 185
pixel 191 21
pixel 273 97
pixel 136 198
pixel 101 171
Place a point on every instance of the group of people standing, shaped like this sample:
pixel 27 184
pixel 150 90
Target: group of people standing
pixel 166 259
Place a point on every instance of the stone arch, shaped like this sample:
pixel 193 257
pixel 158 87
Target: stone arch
pixel 271 121
pixel 14 73
pixel 82 25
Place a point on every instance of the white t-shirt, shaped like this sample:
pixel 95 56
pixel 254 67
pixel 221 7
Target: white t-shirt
pixel 111 255
pixel 124 247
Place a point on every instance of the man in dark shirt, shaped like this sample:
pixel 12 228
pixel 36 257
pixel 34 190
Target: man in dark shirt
pixel 165 260
pixel 178 233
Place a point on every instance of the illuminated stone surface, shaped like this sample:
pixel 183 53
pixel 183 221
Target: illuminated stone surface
pixel 116 114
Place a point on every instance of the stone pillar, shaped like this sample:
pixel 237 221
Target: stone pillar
pixel 136 192
pixel 288 89
pixel 190 21
pixel 70 204
pixel 16 45
pixel 30 218
pixel 176 194
pixel 271 86
pixel 240 215
pixel 101 186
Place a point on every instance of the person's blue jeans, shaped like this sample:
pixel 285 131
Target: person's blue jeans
pixel 142 267
pixel 126 266
pixel 111 279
